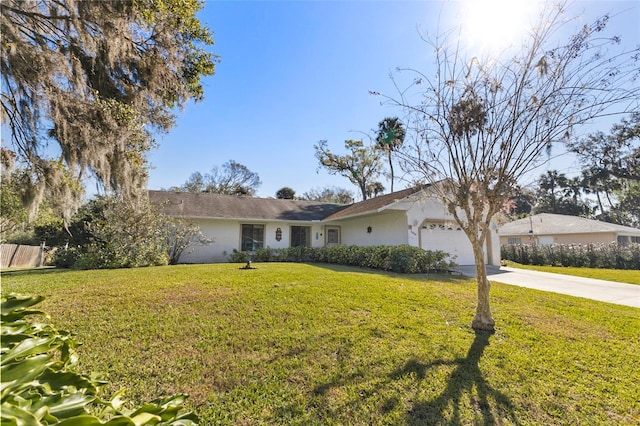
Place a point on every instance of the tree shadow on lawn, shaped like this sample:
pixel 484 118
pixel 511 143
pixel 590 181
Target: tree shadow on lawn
pixel 490 405
pixel 445 408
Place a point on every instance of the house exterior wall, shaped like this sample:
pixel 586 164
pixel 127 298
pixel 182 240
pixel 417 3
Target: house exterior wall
pixel 399 224
pixel 493 246
pixel 226 236
pixel 270 240
pixel 386 228
pixel 433 211
pixel 600 238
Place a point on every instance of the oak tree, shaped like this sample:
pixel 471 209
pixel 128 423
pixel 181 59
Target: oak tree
pixel 232 178
pixel 285 193
pixel 329 194
pixel 361 165
pixel 86 84
pixel 611 169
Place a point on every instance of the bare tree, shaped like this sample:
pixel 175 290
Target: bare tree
pixel 195 183
pixel 481 124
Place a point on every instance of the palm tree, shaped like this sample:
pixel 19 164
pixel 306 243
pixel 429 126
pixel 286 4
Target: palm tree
pixel 390 137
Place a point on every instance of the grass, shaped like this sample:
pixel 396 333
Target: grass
pixel 627 276
pixel 319 345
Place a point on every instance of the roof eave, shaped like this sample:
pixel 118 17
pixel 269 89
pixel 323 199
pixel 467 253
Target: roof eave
pixel 248 218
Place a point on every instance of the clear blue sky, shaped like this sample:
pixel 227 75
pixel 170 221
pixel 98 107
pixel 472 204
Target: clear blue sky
pixel 293 73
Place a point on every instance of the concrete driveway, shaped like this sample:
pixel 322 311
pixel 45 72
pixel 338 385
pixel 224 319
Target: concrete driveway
pixel 589 288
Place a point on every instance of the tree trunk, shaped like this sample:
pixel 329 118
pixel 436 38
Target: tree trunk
pixel 599 201
pixel 391 169
pixel 483 319
pixel 363 189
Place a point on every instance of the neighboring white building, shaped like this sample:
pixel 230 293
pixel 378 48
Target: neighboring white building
pixel 548 228
pixel 412 216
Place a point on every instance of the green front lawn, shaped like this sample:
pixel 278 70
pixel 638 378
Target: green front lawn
pixel 618 275
pixel 316 344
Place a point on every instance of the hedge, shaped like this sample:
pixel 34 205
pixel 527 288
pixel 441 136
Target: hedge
pixel 402 258
pixel 609 256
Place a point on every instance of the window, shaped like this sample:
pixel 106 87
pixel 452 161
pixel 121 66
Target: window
pixel 623 240
pixel 300 236
pixel 514 241
pixel 252 237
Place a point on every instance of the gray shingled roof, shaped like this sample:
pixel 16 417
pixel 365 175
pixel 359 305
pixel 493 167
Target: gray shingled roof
pixel 552 224
pixel 207 205
pixel 373 204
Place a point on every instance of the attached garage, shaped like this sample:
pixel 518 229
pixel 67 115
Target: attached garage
pixel 448 238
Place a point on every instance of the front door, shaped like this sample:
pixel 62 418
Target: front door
pixel 332 236
pixel 300 236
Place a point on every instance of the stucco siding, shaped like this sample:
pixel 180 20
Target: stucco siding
pixel 226 235
pixel 493 247
pixel 388 228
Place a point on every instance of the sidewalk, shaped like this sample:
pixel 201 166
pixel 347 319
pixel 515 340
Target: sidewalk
pixel 589 288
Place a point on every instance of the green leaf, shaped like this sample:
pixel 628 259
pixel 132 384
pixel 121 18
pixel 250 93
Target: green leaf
pixel 59 380
pixel 88 420
pixel 146 419
pixel 67 406
pixel 15 302
pixel 22 373
pixel 10 340
pixel 36 345
pixel 11 414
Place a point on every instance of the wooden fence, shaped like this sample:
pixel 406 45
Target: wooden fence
pixel 14 255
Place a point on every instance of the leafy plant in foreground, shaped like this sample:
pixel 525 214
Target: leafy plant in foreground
pixel 40 384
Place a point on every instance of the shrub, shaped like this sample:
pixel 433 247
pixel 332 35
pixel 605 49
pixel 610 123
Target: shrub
pixel 401 258
pixel 609 256
pixel 111 233
pixel 239 256
pixel 179 236
pixel 65 257
pixel 41 384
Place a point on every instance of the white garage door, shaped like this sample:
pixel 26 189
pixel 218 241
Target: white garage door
pixel 448 238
